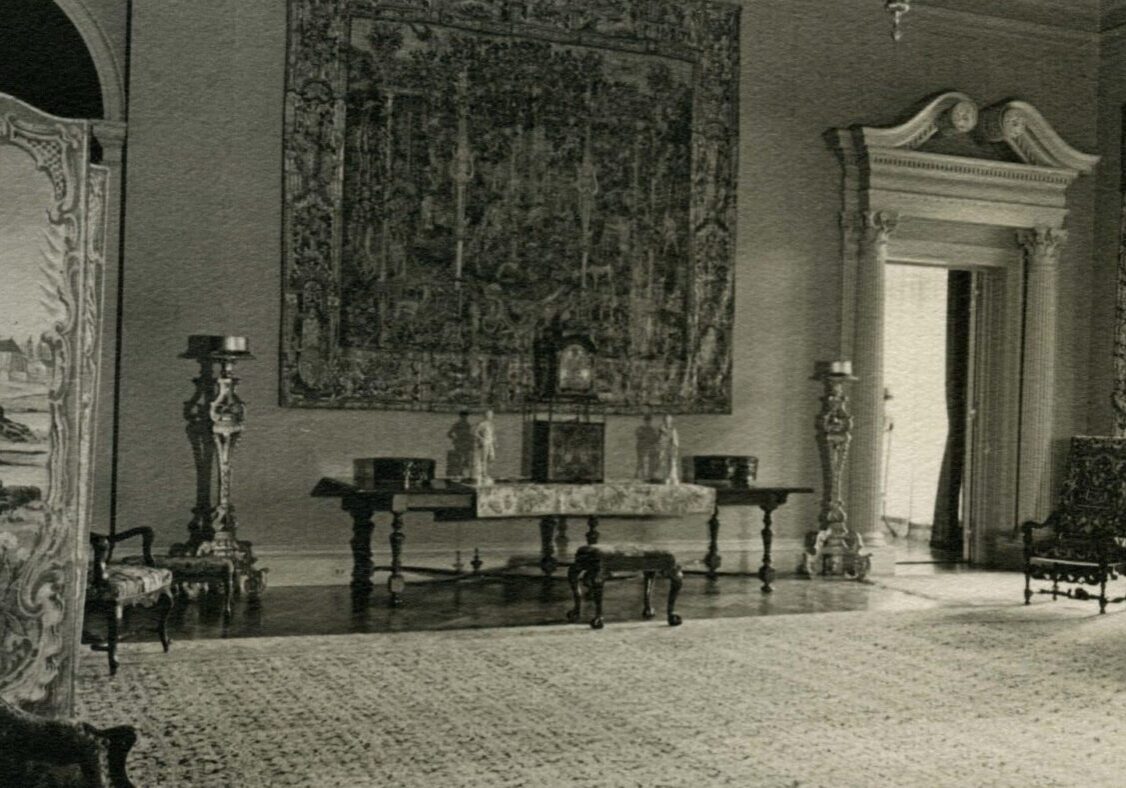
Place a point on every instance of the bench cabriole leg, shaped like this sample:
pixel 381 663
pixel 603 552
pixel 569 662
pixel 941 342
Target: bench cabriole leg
pixel 650 579
pixel 676 580
pixel 166 602
pixel 597 581
pixel 574 574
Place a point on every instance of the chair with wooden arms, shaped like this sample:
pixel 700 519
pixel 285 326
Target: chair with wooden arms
pixel 112 587
pixel 1086 545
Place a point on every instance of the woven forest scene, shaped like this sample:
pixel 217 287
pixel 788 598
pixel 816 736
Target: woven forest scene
pixel 466 179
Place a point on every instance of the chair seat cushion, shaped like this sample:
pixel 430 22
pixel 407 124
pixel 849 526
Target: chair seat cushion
pixel 625 557
pixel 623 550
pixel 1078 551
pixel 129 580
pixel 187 565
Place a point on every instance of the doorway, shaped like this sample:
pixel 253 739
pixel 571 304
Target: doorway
pixel 927 331
pixel 959 185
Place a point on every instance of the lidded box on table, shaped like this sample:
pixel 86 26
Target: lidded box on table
pixel 725 470
pixel 405 471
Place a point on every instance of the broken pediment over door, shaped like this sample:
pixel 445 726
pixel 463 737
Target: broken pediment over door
pixel 962 186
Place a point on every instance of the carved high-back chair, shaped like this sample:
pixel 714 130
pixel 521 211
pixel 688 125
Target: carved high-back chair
pixel 1087 529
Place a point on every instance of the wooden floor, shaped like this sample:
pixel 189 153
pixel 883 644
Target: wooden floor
pixel 530 601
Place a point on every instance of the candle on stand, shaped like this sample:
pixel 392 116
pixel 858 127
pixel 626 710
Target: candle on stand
pixel 234 345
pixel 840 367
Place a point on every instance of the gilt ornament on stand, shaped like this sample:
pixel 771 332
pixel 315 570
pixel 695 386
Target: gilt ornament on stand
pixel 835 549
pixel 215 417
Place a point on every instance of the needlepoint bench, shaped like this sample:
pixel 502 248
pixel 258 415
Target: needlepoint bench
pixel 593 562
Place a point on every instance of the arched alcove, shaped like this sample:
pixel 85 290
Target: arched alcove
pixel 45 61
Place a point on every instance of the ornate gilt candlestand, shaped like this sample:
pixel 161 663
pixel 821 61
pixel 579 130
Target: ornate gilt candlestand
pixel 215 416
pixel 838 549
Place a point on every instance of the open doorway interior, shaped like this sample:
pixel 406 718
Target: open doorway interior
pixel 926 381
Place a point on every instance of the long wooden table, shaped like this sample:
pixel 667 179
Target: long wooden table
pixel 551 503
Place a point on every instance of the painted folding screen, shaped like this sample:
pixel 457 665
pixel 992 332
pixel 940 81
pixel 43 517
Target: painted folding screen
pixel 463 177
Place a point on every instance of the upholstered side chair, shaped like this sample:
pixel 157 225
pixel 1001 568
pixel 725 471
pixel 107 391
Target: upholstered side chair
pixel 113 587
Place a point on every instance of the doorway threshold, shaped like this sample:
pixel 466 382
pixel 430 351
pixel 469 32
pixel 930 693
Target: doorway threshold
pixel 934 561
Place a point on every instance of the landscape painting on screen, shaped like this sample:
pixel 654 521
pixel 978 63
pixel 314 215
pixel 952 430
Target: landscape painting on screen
pixel 31 261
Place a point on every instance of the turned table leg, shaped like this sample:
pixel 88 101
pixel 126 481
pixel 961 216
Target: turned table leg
pixel 547 545
pixel 766 571
pixel 650 577
pixel 395 582
pixel 712 559
pixel 592 530
pixel 362 527
pixel 676 580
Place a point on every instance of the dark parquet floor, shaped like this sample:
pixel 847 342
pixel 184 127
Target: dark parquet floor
pixel 431 604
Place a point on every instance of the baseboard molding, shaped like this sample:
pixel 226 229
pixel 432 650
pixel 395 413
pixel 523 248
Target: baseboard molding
pixel 318 565
pixel 1007 554
pixel 291 565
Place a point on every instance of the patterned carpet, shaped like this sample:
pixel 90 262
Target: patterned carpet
pixel 1008 696
pixel 974 589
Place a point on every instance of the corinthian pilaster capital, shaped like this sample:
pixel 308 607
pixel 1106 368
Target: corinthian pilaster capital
pixel 878 226
pixel 1042 245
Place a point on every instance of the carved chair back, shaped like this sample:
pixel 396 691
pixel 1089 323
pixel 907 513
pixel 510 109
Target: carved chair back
pixel 1092 499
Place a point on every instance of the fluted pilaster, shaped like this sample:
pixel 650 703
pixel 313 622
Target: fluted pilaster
pixel 864 487
pixel 1042 249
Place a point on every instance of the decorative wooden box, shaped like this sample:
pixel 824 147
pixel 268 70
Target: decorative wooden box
pixel 568 451
pixel 376 471
pixel 724 470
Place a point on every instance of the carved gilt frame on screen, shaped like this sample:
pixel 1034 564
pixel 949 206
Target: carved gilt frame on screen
pixel 43 534
pixel 464 176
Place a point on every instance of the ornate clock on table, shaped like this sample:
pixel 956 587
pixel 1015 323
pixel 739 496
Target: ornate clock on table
pixel 569 435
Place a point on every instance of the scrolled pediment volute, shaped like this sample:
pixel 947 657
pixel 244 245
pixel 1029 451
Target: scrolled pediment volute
pixel 1020 125
pixel 951 112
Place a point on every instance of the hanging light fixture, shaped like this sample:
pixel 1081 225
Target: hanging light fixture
pixel 897 8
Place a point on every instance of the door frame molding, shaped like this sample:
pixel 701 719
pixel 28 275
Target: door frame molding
pixel 890 179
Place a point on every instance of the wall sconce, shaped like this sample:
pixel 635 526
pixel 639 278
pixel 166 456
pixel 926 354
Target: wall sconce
pixel 897 8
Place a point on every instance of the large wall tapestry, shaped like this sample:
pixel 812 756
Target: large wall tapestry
pixel 464 177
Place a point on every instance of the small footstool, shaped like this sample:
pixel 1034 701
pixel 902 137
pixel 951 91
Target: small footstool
pixel 594 561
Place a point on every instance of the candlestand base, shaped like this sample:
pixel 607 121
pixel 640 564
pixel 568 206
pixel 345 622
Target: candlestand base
pixel 830 554
pixel 223 546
